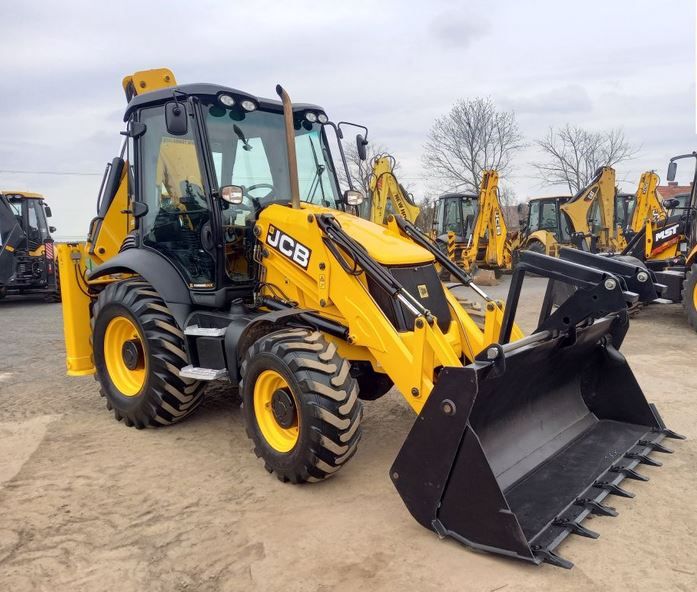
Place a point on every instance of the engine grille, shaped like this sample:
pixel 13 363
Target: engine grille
pixel 421 282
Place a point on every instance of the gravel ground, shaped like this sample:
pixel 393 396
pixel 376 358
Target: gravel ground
pixel 88 504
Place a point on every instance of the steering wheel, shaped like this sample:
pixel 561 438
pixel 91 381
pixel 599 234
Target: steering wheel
pixel 260 186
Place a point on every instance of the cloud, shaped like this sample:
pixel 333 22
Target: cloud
pixel 571 98
pixel 457 30
pixel 394 66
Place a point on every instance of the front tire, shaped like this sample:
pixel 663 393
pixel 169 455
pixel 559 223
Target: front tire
pixel 301 406
pixel 138 352
pixel 689 296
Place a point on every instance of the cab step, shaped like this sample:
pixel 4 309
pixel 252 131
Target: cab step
pixel 196 331
pixel 207 374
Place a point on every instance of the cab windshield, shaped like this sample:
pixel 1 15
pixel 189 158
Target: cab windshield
pixel 249 149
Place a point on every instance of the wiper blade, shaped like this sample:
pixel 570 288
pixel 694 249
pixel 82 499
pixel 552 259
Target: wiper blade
pixel 240 134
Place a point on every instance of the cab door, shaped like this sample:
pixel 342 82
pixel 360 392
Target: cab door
pixel 170 181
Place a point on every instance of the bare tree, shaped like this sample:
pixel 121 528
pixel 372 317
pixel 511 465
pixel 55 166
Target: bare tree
pixel 472 137
pixel 572 154
pixel 508 201
pixel 424 221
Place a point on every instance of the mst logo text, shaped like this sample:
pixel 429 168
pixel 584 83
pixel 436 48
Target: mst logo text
pixel 288 246
pixel 666 233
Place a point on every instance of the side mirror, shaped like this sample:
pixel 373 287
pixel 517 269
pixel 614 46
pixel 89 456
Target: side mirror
pixel 361 143
pixel 138 209
pixel 52 229
pixel 353 198
pixel 175 118
pixel 670 204
pixel 47 211
pixel 232 194
pixel 521 209
pixel 672 169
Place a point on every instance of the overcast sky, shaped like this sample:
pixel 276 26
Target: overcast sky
pixel 394 66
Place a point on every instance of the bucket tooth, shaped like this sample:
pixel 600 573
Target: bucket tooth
pixel 643 459
pixel 596 507
pixel 613 489
pixel 656 446
pixel 671 434
pixel 576 528
pixel 549 556
pixel 629 473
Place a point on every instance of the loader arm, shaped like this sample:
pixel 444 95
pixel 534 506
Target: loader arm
pixel 387 193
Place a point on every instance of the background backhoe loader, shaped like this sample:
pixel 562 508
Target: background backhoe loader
pixel 214 256
pixel 664 248
pixel 472 228
pixel 585 221
pixel 27 259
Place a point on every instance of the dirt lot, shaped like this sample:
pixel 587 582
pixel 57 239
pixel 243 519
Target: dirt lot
pixel 88 504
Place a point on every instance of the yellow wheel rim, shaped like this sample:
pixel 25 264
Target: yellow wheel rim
pixel 270 390
pixel 128 375
pixel 694 296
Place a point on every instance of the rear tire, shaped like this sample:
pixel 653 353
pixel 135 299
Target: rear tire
pixel 536 247
pixel 689 296
pixel 151 393
pixel 301 406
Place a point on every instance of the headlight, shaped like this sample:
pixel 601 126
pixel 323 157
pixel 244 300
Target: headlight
pixel 226 100
pixel 322 118
pixel 311 117
pixel 248 105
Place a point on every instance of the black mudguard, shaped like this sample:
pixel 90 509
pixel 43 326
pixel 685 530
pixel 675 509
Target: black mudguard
pixel 158 271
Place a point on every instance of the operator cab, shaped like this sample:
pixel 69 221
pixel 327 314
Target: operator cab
pixel 624 209
pixel 457 213
pixel 30 213
pixel 544 213
pixel 191 141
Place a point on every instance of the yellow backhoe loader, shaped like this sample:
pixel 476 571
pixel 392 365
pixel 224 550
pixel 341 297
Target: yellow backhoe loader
pixel 585 221
pixel 27 258
pixel 472 229
pixel 387 195
pixel 218 254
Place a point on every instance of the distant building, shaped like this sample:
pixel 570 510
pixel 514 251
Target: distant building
pixel 672 190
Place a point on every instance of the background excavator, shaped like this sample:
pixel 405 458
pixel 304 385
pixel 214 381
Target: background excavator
pixel 27 259
pixel 215 256
pixel 472 228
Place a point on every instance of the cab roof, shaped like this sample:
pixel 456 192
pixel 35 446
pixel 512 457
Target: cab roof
pixel 460 195
pixel 551 198
pixel 25 194
pixel 158 97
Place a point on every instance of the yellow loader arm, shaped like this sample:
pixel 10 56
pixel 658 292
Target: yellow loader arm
pixel 385 189
pixel 490 225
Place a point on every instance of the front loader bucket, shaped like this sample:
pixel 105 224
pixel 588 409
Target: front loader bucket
pixel 511 455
